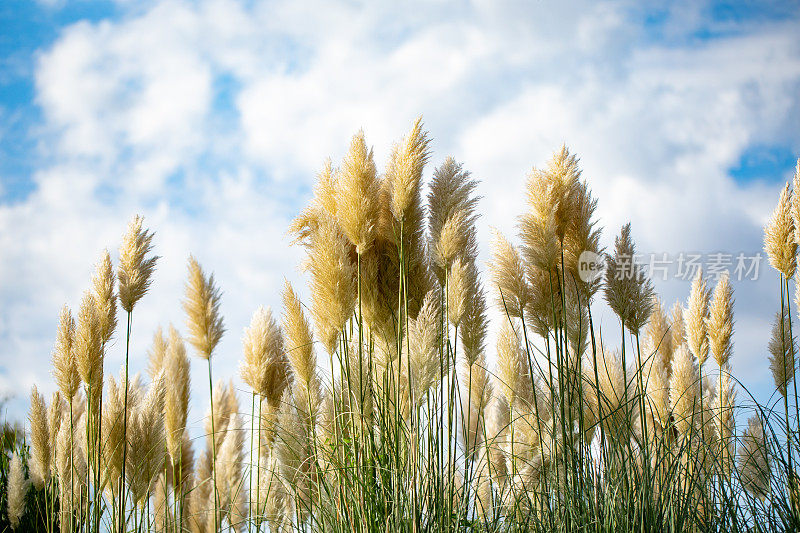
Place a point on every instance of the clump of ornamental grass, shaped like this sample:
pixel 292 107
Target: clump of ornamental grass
pixel 411 420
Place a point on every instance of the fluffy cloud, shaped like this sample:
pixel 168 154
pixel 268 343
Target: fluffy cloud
pixel 211 118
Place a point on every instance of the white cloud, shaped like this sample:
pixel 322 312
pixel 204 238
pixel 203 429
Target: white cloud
pixel 138 118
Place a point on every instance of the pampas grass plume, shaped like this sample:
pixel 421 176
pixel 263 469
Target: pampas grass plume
pixel 782 351
pixel 135 268
pixel 720 322
pixel 405 169
pixel 357 205
pixel 40 440
pixel 264 367
pixel 201 304
pixel 695 317
pixel 17 489
pixel 779 236
pixel 65 370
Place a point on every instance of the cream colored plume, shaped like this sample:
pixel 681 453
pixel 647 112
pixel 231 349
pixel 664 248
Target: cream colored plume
pixel 104 297
pixel 201 305
pixel 779 236
pixel 423 353
pixel 333 282
pixel 135 268
pixel 65 370
pixel 684 392
pixel 720 322
pixel 155 355
pixel 508 278
pixel 176 397
pixel 146 442
pixel 40 440
pixel 17 488
pixel 265 366
pixel 357 205
pixel 782 349
pixel 299 339
pixel 88 345
pixel 405 169
pixel 695 318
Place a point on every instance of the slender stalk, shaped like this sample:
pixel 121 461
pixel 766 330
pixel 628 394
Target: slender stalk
pixel 213 449
pixel 124 429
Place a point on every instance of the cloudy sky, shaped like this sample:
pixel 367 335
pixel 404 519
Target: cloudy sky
pixel 211 118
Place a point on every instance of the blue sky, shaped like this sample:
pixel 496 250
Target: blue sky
pixel 211 118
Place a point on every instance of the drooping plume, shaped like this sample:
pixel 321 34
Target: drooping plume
pixel 201 305
pixel 135 268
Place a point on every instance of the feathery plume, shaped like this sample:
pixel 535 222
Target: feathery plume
pixel 146 442
pixel 333 291
pixel 299 340
pixel 176 397
pixel 135 269
pixel 657 389
pixel 607 400
pixel 155 355
pixel 422 339
pixel 513 372
pixel 451 191
pixel 779 236
pixel 405 169
pixel 454 238
pixel 677 328
pixel 720 322
pixel 55 414
pixel 323 206
pixel 357 205
pixel 112 432
pixel 265 367
pixel 229 469
pixel 201 305
pixel 457 291
pixel 695 318
pixel 782 351
pixel 684 394
pixel 17 489
pixel 104 297
pixel 65 370
pixel 754 464
pixel 508 277
pixel 628 291
pixel 88 345
pixel 40 440
pixel 658 333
